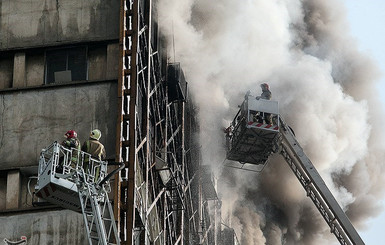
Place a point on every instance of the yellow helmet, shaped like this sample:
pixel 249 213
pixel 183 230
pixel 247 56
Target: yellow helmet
pixel 95 134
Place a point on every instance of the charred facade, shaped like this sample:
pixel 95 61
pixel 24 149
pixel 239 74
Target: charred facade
pixel 82 65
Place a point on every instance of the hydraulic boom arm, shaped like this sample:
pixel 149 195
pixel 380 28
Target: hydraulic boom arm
pixel 258 131
pixel 316 188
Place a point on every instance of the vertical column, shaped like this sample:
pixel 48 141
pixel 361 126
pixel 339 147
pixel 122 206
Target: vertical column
pixel 149 159
pixel 131 91
pixel 119 122
pixel 126 124
pixel 13 190
pixel 183 171
pixel 112 62
pixel 19 76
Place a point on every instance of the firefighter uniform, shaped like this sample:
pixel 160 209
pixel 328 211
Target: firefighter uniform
pixel 96 149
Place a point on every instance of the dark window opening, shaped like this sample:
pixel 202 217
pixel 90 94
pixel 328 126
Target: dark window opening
pixel 64 65
pixel 177 85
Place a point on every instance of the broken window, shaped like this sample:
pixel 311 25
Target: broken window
pixel 64 65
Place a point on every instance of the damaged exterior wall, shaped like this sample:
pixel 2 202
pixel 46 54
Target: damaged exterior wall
pixel 54 227
pixel 32 119
pixel 49 22
pixel 34 113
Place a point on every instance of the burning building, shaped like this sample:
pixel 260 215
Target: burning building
pixel 160 79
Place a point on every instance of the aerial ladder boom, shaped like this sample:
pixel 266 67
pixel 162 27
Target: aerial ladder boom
pixel 72 179
pixel 258 131
pixel 316 188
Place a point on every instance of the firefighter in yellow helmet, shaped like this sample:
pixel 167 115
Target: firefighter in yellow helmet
pixel 96 149
pixel 93 146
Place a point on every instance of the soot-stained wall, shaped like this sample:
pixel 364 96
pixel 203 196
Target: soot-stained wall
pixel 49 227
pixel 26 24
pixel 31 120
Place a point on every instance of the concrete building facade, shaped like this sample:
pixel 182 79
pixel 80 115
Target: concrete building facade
pixel 85 64
pixel 58 72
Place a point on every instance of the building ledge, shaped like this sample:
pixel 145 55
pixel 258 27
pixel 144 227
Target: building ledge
pixel 48 207
pixel 56 85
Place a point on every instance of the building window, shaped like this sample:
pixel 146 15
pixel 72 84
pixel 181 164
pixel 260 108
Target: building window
pixel 64 65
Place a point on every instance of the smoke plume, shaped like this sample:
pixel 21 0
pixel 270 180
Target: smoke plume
pixel 326 92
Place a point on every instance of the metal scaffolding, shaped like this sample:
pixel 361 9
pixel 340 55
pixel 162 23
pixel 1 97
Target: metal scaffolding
pixel 154 198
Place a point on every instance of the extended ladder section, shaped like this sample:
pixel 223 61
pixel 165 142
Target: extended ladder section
pixel 74 180
pixel 98 215
pixel 258 131
pixel 316 189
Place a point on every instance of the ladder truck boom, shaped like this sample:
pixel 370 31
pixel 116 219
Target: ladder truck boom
pixel 72 179
pixel 250 140
pixel 316 188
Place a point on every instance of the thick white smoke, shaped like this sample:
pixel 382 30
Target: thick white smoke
pixel 326 91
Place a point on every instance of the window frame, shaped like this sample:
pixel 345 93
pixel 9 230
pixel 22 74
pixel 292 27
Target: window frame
pixel 50 52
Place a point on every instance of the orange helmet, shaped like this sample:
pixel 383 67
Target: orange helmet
pixel 71 134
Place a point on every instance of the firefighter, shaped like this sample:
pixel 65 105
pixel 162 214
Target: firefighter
pixel 96 149
pixel 266 94
pixel 229 134
pixel 71 140
pixel 72 143
pixel 93 146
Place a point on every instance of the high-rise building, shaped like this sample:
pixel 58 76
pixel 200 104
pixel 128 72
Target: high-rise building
pixel 87 64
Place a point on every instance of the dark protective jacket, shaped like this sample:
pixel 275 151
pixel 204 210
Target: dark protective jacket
pixel 266 94
pixel 71 143
pixel 94 148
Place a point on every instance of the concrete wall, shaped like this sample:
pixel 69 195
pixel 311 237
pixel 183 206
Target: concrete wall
pixel 30 120
pixel 26 24
pixel 53 227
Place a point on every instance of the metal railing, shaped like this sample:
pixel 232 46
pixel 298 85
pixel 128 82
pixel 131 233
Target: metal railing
pixel 71 162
